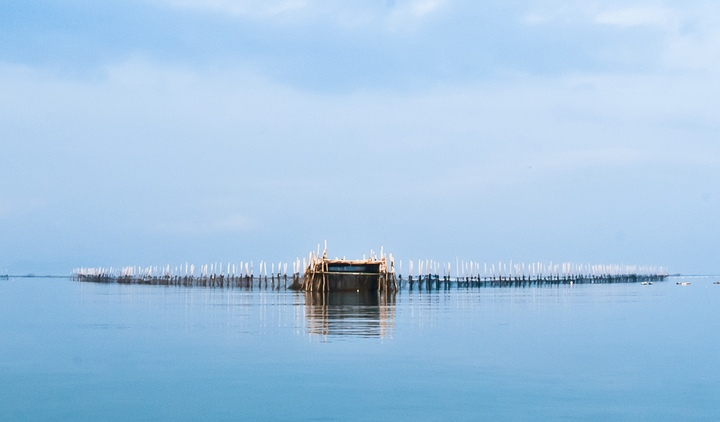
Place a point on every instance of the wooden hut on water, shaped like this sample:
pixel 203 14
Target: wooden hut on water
pixel 337 275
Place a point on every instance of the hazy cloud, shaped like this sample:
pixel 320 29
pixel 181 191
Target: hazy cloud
pixel 232 224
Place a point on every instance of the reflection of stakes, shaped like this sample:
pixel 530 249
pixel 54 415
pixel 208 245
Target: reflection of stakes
pixel 368 314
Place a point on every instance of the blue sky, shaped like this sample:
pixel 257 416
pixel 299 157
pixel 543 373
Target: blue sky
pixel 153 132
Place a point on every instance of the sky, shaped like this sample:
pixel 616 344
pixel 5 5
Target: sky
pixel 154 132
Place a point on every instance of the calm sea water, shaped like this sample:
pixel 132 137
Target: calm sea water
pixel 84 351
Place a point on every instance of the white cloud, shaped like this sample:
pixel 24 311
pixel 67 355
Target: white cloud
pixel 552 13
pixel 424 7
pixel 244 7
pixel 406 15
pixel 694 43
pixel 629 17
pixel 693 51
pixel 683 37
pixel 401 14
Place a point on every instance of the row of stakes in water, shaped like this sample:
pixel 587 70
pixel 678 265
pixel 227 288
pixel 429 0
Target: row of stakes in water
pixel 467 272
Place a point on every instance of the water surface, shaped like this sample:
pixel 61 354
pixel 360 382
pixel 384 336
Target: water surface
pixel 86 351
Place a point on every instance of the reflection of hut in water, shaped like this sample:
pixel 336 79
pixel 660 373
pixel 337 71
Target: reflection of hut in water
pixel 337 275
pixel 360 314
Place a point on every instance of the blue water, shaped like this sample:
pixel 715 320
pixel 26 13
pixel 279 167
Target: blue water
pixel 83 351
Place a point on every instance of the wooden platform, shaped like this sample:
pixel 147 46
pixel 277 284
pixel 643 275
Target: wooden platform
pixel 337 275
